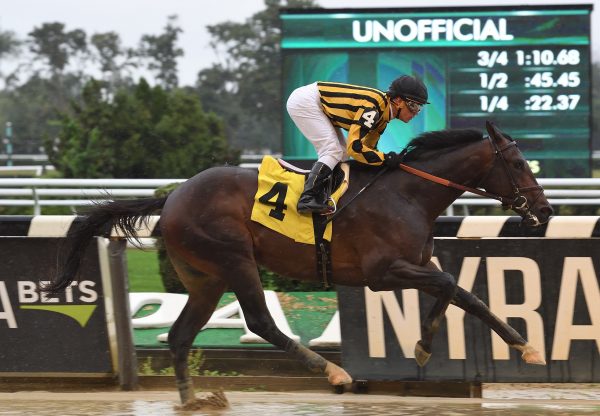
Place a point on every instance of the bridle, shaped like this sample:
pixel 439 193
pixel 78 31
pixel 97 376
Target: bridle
pixel 517 201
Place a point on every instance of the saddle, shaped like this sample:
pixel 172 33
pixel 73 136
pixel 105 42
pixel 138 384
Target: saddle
pixel 280 185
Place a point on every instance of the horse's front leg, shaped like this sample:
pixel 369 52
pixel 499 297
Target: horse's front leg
pixel 404 275
pixel 476 307
pixel 473 305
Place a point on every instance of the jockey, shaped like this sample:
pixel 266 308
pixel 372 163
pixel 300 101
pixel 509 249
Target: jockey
pixel 320 110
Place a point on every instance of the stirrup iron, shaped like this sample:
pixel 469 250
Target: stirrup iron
pixel 332 206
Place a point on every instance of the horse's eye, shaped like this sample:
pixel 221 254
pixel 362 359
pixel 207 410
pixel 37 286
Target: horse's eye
pixel 519 164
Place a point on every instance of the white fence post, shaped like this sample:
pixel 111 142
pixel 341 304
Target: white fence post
pixel 37 210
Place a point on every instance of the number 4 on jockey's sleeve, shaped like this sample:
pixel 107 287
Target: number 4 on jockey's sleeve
pixel 369 118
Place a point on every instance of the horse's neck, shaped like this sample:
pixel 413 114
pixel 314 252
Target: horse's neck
pixel 466 166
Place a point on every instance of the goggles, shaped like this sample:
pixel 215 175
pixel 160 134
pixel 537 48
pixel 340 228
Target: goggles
pixel 413 106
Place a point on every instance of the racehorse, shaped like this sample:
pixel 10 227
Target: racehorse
pixel 382 240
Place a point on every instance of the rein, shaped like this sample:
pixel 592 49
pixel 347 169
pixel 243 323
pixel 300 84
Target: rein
pixel 519 203
pixel 450 184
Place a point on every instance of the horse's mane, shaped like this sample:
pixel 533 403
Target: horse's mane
pixel 435 142
pixel 430 144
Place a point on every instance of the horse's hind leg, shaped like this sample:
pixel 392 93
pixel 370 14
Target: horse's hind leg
pixel 204 294
pixel 404 275
pixel 249 291
pixel 429 327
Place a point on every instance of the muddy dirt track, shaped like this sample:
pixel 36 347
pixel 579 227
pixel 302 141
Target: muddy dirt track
pixel 497 400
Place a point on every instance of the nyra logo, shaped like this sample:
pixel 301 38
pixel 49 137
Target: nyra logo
pixel 578 283
pixel 77 302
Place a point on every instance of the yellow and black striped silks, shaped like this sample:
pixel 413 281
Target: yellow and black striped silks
pixel 364 112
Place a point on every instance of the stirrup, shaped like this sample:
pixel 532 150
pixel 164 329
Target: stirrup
pixel 332 207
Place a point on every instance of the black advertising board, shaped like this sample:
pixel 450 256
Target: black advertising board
pixel 65 333
pixel 547 289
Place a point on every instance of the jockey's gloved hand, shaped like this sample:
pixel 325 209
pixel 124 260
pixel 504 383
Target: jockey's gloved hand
pixel 392 159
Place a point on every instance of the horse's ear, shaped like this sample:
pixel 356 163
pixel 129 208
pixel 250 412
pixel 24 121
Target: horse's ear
pixel 492 130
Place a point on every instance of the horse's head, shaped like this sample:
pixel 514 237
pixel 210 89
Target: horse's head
pixel 511 178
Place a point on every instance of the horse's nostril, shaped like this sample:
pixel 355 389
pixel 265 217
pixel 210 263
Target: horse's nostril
pixel 547 211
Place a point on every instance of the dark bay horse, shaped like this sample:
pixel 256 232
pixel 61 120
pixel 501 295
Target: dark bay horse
pixel 382 240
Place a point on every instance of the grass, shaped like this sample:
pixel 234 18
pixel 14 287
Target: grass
pixel 142 267
pixel 195 362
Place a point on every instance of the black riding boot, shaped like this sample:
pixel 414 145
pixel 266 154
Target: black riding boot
pixel 315 195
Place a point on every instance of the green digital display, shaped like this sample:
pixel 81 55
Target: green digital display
pixel 525 68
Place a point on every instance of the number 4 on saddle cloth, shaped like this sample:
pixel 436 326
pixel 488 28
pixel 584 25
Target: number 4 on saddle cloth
pixel 279 187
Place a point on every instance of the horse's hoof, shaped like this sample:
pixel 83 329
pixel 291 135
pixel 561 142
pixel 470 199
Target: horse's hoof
pixel 214 401
pixel 186 392
pixel 189 405
pixel 531 355
pixel 336 375
pixel 421 356
pixel 360 387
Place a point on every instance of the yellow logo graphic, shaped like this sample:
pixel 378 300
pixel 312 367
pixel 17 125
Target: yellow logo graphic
pixel 80 313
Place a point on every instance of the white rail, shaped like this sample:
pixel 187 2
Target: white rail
pixel 96 183
pixel 37 192
pixel 555 189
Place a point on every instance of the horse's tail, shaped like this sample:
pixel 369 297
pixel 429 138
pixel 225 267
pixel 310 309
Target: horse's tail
pixel 99 221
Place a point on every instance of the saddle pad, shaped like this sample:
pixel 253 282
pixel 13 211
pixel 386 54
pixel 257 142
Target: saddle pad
pixel 276 199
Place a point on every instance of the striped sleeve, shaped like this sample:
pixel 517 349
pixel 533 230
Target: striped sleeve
pixel 362 128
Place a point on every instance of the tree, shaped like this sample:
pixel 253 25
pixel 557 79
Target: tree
pixel 55 46
pixel 147 133
pixel 246 87
pixel 9 45
pixel 161 53
pixel 32 108
pixel 113 59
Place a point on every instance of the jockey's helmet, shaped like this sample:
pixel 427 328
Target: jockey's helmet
pixel 408 87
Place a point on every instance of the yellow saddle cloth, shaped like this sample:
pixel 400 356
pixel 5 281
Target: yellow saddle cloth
pixel 277 196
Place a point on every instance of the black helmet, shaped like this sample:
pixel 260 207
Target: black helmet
pixel 408 87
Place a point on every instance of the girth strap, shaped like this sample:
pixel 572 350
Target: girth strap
pixel 323 250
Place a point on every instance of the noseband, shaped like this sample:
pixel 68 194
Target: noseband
pixel 517 202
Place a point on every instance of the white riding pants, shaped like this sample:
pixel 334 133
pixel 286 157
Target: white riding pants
pixel 304 107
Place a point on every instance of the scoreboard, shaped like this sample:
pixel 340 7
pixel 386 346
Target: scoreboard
pixel 526 68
